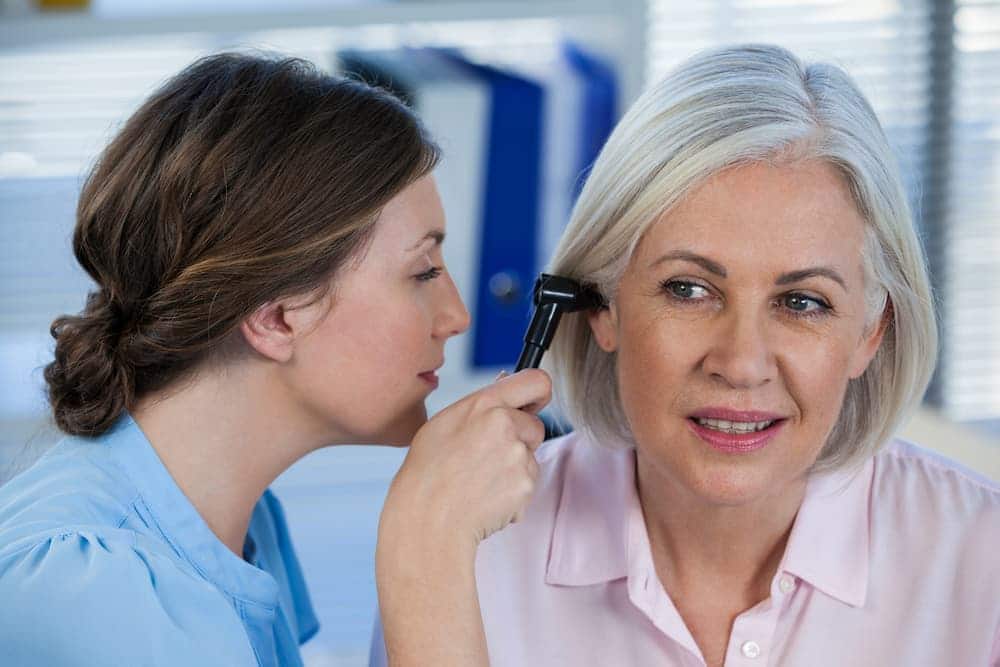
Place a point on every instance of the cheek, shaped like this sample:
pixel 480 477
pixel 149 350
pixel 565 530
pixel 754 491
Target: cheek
pixel 356 345
pixel 652 369
pixel 659 346
pixel 815 374
pixel 384 339
pixel 361 368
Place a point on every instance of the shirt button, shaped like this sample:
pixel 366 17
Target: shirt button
pixel 750 650
pixel 786 584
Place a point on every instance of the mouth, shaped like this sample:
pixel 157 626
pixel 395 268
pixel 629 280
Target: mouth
pixel 735 432
pixel 430 377
pixel 734 427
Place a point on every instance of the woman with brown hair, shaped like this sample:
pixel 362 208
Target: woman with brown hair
pixel 266 246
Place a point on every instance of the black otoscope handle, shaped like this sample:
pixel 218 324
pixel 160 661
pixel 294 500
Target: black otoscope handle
pixel 539 335
pixel 531 357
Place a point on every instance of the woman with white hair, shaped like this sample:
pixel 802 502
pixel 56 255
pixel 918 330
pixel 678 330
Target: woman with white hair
pixel 732 494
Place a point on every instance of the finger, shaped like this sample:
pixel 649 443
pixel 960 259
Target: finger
pixel 532 469
pixel 530 389
pixel 529 429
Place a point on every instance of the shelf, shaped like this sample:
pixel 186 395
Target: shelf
pixel 618 28
pixel 38 29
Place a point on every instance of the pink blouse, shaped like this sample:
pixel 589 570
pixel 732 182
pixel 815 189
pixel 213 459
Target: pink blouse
pixel 895 564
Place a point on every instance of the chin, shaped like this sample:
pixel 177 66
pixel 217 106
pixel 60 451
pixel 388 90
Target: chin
pixel 400 432
pixel 732 488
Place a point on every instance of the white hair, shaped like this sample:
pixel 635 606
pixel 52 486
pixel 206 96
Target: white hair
pixel 735 106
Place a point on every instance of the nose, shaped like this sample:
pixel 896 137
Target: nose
pixel 452 317
pixel 740 351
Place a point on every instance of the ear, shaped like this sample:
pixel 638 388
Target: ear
pixel 604 326
pixel 870 342
pixel 268 332
pixel 273 329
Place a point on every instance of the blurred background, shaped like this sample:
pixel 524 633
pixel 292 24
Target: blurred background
pixel 521 95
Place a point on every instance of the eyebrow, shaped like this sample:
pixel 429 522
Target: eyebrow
pixel 784 279
pixel 435 235
pixel 694 258
pixel 811 272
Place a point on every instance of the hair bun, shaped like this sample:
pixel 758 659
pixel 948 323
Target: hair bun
pixel 89 384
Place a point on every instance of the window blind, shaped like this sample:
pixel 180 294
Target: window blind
pixel 931 70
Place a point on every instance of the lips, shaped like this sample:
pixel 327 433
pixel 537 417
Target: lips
pixel 735 431
pixel 729 414
pixel 430 377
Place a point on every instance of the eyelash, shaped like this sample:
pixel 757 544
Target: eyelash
pixel 823 308
pixel 429 274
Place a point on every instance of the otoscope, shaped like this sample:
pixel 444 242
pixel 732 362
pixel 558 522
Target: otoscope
pixel 553 296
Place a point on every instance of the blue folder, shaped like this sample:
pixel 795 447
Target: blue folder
pixel 510 214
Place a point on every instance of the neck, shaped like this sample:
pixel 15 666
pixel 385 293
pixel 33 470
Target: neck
pixel 699 545
pixel 224 438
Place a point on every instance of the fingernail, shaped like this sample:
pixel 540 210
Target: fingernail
pixel 501 375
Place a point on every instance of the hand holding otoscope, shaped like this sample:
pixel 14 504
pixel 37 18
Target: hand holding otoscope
pixel 470 471
pixel 488 424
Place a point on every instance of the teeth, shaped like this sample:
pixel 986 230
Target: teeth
pixel 727 426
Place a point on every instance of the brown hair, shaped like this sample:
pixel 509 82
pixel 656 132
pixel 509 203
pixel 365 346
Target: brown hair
pixel 242 180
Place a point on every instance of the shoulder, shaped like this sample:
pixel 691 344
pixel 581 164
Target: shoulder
pixel 904 468
pixel 936 506
pixel 75 483
pixel 111 596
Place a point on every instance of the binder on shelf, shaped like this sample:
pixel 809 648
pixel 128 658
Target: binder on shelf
pixel 581 91
pixel 580 112
pixel 511 213
pixel 598 108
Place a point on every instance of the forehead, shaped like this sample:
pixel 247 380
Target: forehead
pixel 410 219
pixel 410 224
pixel 781 216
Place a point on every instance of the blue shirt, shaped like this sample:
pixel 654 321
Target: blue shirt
pixel 104 561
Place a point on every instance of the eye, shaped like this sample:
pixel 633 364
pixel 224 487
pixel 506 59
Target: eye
pixel 683 290
pixel 802 304
pixel 429 274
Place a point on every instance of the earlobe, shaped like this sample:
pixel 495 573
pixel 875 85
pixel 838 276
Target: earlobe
pixel 604 326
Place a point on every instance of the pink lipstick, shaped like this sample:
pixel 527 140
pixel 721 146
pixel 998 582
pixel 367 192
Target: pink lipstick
pixel 735 431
